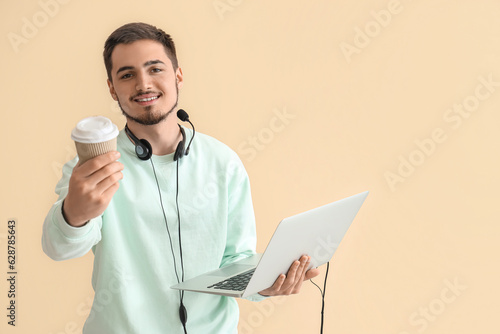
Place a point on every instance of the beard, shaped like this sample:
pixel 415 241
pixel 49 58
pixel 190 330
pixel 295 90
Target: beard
pixel 150 117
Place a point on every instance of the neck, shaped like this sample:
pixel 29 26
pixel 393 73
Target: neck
pixel 163 137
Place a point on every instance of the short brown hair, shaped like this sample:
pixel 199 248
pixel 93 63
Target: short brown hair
pixel 132 32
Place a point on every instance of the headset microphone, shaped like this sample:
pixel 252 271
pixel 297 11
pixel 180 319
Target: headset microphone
pixel 183 116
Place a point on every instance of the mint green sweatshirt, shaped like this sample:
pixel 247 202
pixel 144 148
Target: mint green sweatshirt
pixel 133 262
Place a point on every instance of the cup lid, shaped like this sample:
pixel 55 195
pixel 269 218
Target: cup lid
pixel 94 129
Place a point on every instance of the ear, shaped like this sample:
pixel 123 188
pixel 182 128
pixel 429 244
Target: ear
pixel 179 77
pixel 112 90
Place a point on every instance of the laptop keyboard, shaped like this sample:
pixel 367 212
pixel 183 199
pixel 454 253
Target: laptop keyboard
pixel 235 283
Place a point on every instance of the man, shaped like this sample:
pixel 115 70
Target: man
pixel 153 223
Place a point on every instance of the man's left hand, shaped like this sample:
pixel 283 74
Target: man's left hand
pixel 292 282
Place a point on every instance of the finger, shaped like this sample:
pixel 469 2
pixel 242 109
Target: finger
pixel 311 273
pixel 305 261
pixel 105 172
pixel 110 181
pixel 299 276
pixel 279 283
pixel 110 191
pixel 275 288
pixel 290 276
pixel 302 267
pixel 90 166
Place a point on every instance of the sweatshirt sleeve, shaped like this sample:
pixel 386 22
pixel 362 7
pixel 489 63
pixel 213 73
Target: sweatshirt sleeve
pixel 61 241
pixel 241 236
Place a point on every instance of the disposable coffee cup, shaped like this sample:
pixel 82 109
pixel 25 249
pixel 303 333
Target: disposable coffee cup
pixel 94 136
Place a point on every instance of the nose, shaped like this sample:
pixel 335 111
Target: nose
pixel 143 83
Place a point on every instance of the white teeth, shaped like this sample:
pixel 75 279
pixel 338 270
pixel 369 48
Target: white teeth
pixel 148 99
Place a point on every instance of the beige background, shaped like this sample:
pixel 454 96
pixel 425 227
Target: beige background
pixel 353 117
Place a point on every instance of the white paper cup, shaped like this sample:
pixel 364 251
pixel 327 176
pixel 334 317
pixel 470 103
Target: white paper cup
pixel 94 136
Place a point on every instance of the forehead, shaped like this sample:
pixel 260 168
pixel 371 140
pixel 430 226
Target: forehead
pixel 137 53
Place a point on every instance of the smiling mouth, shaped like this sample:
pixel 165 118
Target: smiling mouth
pixel 147 99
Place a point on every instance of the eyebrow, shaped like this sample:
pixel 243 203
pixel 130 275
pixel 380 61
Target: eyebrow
pixel 146 64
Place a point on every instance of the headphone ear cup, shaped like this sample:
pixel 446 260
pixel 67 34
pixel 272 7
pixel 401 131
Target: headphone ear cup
pixel 179 151
pixel 143 149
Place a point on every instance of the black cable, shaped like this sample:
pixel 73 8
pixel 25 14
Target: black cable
pixel 322 296
pixel 179 220
pixel 166 223
pixel 182 308
pixel 194 132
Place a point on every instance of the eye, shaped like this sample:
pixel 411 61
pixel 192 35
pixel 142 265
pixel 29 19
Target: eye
pixel 126 76
pixel 156 70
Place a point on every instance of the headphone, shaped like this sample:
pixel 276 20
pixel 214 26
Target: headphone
pixel 144 151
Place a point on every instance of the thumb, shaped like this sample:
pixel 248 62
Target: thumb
pixel 311 273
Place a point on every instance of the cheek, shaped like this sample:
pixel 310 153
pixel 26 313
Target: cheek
pixel 122 99
pixel 122 95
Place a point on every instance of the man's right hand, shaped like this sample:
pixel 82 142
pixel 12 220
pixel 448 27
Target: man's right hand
pixel 91 187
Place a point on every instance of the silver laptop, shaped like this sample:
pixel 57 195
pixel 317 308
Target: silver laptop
pixel 316 233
